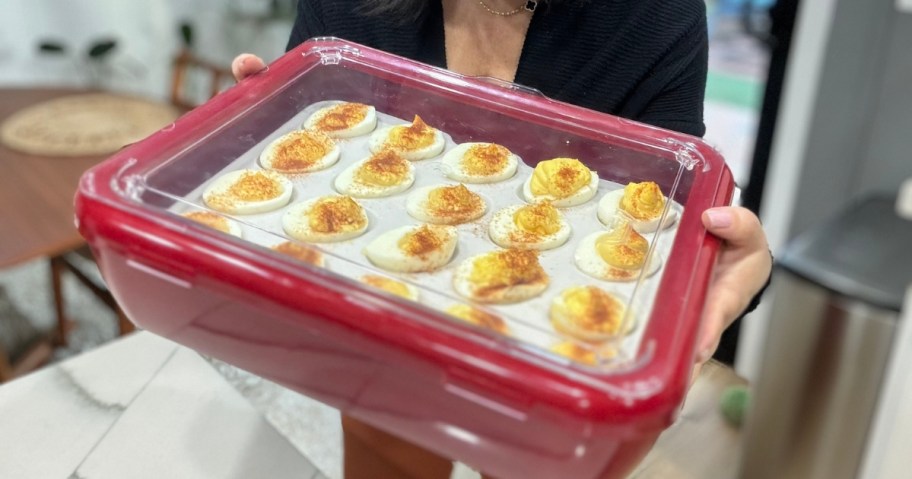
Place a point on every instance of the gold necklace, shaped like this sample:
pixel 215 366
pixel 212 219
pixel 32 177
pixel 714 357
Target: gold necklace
pixel 528 6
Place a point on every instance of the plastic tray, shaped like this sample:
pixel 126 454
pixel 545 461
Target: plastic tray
pixel 505 404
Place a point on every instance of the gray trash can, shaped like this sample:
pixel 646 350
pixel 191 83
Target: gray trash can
pixel 838 290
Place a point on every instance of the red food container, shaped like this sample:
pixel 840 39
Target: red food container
pixel 503 405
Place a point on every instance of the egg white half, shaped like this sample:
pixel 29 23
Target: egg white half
pixel 463 285
pixel 609 209
pixel 567 325
pixel 347 183
pixel 296 224
pixel 230 226
pixel 378 142
pixel 384 250
pixel 363 127
pixel 302 253
pixel 267 158
pixel 589 261
pixel 585 352
pixel 453 169
pixel 417 206
pixel 479 318
pixel 217 195
pixel 412 292
pixel 581 196
pixel 504 231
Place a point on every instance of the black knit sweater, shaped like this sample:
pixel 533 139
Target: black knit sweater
pixel 640 59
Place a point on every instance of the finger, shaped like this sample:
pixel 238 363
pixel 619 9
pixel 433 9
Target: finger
pixel 695 374
pixel 736 281
pixel 245 65
pixel 743 265
pixel 738 226
pixel 722 304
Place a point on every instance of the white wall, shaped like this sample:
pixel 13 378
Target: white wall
pixel 147 35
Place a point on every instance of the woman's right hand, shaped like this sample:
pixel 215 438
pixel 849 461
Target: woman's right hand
pixel 246 64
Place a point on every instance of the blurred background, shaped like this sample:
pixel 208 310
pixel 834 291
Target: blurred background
pixel 147 35
pixel 122 47
pixel 808 100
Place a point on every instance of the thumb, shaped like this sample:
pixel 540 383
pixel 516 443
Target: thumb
pixel 737 226
pixel 245 65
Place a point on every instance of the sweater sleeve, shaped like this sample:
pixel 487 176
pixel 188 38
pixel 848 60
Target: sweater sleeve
pixel 309 23
pixel 677 85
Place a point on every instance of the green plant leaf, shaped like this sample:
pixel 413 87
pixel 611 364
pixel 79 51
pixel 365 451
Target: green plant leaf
pixel 186 31
pixel 50 46
pixel 102 48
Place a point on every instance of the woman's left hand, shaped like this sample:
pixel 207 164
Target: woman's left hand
pixel 741 272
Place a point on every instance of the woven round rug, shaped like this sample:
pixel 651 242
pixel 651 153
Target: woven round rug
pixel 84 125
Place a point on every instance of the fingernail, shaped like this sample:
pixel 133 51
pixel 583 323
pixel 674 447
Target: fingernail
pixel 719 218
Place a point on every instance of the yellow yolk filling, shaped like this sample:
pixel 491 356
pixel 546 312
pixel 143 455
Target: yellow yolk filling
pixel 386 168
pixel 391 286
pixel 301 150
pixel 452 201
pixel 478 317
pixel 211 220
pixel 336 215
pixel 623 248
pixel 413 137
pixel 301 253
pixel 421 242
pixel 506 268
pixel 592 309
pixel 340 117
pixel 254 186
pixel 540 219
pixel 643 201
pixel 574 351
pixel 485 160
pixel 577 353
pixel 560 177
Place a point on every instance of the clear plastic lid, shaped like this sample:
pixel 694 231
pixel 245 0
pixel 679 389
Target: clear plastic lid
pixel 592 280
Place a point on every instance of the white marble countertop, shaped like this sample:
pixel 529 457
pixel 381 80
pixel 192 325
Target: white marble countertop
pixel 144 407
pixel 141 407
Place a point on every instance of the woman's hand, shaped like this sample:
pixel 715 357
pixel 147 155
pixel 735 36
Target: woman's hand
pixel 743 268
pixel 245 65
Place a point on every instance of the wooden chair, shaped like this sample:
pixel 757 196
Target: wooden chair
pixel 185 68
pixel 31 348
pixel 70 263
pixel 40 351
pixel 36 356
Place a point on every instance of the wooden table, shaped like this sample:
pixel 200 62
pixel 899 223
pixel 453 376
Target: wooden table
pixel 36 210
pixel 36 192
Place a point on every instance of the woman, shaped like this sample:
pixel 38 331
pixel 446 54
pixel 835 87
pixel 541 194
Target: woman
pixel 641 59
